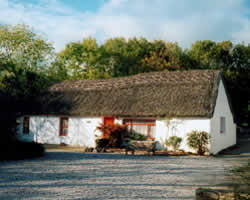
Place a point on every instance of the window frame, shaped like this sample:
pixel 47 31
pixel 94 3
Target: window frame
pixel 26 125
pixel 61 127
pixel 149 122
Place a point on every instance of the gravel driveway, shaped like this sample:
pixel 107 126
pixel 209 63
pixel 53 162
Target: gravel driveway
pixel 68 175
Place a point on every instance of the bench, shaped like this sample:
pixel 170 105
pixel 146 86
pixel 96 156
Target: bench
pixel 133 145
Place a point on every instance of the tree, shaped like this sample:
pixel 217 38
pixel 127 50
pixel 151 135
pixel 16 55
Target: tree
pixel 163 57
pixel 25 58
pixel 24 48
pixel 211 55
pixel 115 58
pixel 234 63
pixel 82 60
pixel 241 57
pixel 125 58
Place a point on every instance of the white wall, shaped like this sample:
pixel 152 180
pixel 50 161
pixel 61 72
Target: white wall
pixel 45 130
pixel 219 140
pixel 82 130
pixel 180 128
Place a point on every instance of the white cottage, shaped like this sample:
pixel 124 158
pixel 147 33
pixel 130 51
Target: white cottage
pixel 158 104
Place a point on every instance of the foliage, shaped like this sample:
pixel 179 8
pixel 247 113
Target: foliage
pixel 10 147
pixel 163 57
pixel 25 59
pixel 198 140
pixel 24 48
pixel 174 142
pixel 118 57
pixel 136 136
pixel 17 150
pixel 101 144
pixel 114 133
pixel 211 55
pixel 24 84
pixel 28 63
pixel 233 61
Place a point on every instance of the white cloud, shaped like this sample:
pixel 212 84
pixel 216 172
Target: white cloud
pixel 184 21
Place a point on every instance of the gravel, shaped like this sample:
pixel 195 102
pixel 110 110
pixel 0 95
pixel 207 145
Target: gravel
pixel 74 175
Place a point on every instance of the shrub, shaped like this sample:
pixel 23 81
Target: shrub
pixel 13 149
pixel 114 133
pixel 18 150
pixel 174 142
pixel 101 144
pixel 137 136
pixel 198 140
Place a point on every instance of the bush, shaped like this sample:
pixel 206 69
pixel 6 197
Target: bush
pixel 18 150
pixel 174 142
pixel 198 140
pixel 137 136
pixel 13 149
pixel 101 144
pixel 114 133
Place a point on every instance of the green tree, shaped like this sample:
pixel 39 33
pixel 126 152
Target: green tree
pixel 24 48
pixel 115 58
pixel 125 58
pixel 82 60
pixel 25 58
pixel 163 57
pixel 211 55
pixel 234 62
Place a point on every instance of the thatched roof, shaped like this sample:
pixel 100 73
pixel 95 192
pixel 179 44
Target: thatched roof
pixel 158 94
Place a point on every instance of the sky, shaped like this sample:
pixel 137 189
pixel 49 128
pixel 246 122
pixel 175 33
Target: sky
pixel 182 21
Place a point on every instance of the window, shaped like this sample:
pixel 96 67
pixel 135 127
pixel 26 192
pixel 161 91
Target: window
pixel 63 130
pixel 26 125
pixel 222 125
pixel 144 127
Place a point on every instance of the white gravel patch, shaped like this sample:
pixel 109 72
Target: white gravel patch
pixel 68 175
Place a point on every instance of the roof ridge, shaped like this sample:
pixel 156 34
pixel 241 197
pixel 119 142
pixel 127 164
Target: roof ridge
pixel 137 79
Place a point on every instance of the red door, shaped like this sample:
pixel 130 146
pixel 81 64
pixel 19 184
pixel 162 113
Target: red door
pixel 108 121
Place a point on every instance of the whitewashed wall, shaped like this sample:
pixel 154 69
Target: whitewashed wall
pixel 219 140
pixel 180 128
pixel 45 130
pixel 82 130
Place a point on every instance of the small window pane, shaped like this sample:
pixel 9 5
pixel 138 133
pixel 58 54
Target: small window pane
pixel 142 129
pixel 65 123
pixel 26 123
pixel 139 122
pixel 222 124
pixel 152 131
pixel 143 126
pixel 63 126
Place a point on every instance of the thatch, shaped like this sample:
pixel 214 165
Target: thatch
pixel 158 94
